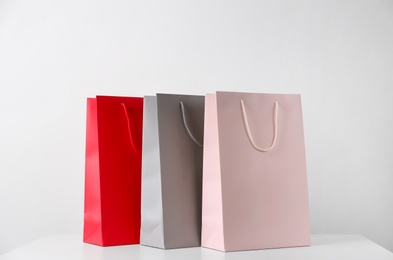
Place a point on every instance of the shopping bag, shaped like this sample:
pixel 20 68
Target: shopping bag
pixel 254 172
pixel 172 171
pixel 113 170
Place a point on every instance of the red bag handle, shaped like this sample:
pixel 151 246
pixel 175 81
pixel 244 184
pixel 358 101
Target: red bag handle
pixel 129 128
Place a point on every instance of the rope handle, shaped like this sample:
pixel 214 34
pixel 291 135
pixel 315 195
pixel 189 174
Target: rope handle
pixel 248 131
pixel 183 113
pixel 129 128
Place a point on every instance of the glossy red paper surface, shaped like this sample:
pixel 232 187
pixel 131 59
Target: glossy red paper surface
pixel 113 171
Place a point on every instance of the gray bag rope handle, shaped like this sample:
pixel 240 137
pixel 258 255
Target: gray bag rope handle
pixel 247 127
pixel 129 127
pixel 183 113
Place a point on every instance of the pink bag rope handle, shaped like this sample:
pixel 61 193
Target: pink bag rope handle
pixel 129 127
pixel 247 127
pixel 186 125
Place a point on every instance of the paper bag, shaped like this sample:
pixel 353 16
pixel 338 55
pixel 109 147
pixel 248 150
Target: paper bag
pixel 254 172
pixel 113 171
pixel 172 171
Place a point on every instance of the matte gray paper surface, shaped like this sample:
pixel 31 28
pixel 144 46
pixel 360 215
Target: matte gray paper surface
pixel 172 171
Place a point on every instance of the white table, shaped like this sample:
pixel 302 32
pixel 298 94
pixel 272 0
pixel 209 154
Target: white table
pixel 70 247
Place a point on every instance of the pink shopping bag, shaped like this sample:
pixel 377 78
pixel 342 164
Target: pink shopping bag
pixel 254 172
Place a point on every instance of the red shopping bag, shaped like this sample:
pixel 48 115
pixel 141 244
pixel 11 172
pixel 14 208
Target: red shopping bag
pixel 113 170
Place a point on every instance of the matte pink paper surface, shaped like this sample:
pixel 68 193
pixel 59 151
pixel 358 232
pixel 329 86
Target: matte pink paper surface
pixel 212 219
pixel 261 198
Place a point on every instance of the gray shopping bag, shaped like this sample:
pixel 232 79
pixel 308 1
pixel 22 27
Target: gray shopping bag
pixel 172 170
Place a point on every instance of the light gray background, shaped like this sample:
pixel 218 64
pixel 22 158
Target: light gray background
pixel 337 54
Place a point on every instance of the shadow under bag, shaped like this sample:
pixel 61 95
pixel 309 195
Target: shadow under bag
pixel 172 171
